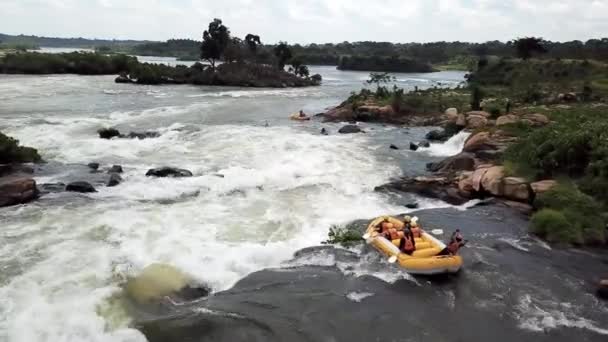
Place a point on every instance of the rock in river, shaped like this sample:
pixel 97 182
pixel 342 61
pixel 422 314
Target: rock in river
pixel 143 135
pixel 108 133
pixel 80 187
pixel 93 166
pixel 461 162
pixel 413 146
pixel 16 190
pixel 114 180
pixel 394 147
pixel 168 172
pixel 348 129
pixel 115 169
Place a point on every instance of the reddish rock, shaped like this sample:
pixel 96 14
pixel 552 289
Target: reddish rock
pixel 476 121
pixel 506 119
pixel 543 186
pixel 461 120
pixel 477 177
pixel 517 189
pixel 15 190
pixel 536 119
pixel 492 180
pixel 465 182
pixel 477 142
pixel 451 114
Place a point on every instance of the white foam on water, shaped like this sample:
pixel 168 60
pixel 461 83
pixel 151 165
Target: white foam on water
pixel 282 189
pixel 515 243
pixel 357 297
pixel 451 147
pixel 536 315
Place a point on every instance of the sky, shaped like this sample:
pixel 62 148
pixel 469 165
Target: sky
pixel 308 21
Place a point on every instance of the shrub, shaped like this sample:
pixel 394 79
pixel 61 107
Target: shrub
pixel 11 152
pixel 343 236
pixel 555 227
pixel 495 112
pixel 582 212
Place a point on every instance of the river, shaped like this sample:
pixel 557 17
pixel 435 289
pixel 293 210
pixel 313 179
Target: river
pixel 264 187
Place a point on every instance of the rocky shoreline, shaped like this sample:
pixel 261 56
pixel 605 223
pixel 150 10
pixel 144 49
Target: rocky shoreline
pixel 476 172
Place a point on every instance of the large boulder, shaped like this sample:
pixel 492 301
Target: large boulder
pixel 377 110
pixel 461 120
pixel 47 188
pixel 451 114
pixel 535 119
pixel 492 180
pixel 436 135
pixel 17 190
pixel 506 119
pixel 477 176
pixel 83 187
pixel 348 129
pixel 441 188
pixel 543 186
pixel 168 172
pixel 476 121
pixel 461 162
pixel 517 189
pixel 338 114
pixel 465 183
pixel 477 142
pixel 108 133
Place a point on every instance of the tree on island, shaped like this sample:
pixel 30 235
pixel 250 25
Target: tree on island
pixel 379 78
pixel 253 41
pixel 283 54
pixel 526 47
pixel 215 41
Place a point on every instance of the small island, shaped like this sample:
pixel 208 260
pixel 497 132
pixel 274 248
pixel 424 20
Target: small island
pixel 239 64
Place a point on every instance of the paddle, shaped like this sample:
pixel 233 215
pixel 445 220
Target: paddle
pixel 392 259
pixel 437 231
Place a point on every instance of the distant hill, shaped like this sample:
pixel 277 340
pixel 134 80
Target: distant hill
pixel 67 42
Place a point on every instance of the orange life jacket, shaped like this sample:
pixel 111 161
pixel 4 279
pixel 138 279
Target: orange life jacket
pixel 409 244
pixel 453 247
pixel 416 231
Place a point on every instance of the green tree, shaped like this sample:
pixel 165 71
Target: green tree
pixel 283 54
pixel 296 63
pixel 303 71
pixel 215 41
pixel 234 51
pixel 527 47
pixel 253 41
pixel 379 78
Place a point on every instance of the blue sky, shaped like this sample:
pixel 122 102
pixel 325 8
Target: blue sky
pixel 306 21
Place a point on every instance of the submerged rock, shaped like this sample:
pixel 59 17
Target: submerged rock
pixel 424 144
pixel 93 166
pixel 108 133
pixel 114 180
pixel 413 147
pixel 83 187
pixel 348 129
pixel 123 79
pixel 17 190
pixel 168 172
pixel 52 188
pixel 143 135
pixel 602 290
pixel 436 135
pixel 441 188
pixel 115 169
pixel 324 131
pixel 157 281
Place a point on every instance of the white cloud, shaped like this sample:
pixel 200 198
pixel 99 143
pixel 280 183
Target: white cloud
pixel 308 21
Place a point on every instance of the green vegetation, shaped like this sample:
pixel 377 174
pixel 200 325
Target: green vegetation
pixel 377 63
pixel 568 215
pixel 11 152
pixel 76 63
pixel 343 236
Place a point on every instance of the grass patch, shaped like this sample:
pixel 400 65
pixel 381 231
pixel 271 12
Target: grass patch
pixel 342 236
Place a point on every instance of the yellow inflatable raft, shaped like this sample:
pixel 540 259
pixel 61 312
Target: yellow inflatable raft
pixel 424 260
pixel 297 117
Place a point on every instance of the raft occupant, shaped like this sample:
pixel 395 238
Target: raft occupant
pixel 302 115
pixel 383 227
pixel 408 221
pixel 407 244
pixel 456 242
pixel 416 230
